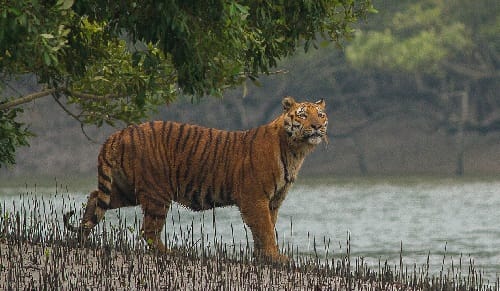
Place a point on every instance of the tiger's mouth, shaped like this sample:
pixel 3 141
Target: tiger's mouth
pixel 314 138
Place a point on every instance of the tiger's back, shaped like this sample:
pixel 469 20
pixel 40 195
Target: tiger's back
pixel 157 163
pixel 198 167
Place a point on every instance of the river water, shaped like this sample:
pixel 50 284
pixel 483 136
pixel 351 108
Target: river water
pixel 455 221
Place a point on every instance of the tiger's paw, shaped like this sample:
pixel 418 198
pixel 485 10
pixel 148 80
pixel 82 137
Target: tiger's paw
pixel 271 257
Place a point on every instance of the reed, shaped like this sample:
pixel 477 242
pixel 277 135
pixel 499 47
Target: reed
pixel 36 252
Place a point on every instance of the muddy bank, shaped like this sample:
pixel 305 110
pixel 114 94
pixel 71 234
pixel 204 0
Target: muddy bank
pixel 37 267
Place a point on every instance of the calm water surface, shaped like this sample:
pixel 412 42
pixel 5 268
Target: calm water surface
pixel 445 219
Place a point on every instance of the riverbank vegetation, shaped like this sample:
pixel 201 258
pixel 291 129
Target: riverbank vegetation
pixel 37 253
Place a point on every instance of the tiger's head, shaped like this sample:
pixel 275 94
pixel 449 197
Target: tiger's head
pixel 305 121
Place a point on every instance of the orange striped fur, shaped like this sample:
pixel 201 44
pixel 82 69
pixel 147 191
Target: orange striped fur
pixel 158 162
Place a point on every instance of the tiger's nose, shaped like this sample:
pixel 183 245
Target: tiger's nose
pixel 316 126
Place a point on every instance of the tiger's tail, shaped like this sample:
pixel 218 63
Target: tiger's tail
pixel 94 212
pixel 97 204
pixel 80 230
pixel 67 224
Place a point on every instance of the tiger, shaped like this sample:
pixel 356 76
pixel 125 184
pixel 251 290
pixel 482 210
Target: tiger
pixel 159 162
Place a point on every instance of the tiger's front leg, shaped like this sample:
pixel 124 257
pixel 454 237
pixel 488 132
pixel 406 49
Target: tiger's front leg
pixel 257 215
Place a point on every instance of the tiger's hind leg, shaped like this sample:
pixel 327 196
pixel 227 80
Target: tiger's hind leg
pixel 154 221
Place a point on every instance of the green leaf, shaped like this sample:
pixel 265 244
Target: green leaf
pixel 324 43
pixel 47 35
pixel 65 4
pixel 140 99
pixel 46 58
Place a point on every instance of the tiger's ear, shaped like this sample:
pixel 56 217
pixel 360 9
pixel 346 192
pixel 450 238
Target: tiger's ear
pixel 287 103
pixel 321 103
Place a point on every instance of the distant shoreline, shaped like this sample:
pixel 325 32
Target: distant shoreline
pixel 78 181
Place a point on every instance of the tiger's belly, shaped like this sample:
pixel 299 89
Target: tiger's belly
pixel 201 200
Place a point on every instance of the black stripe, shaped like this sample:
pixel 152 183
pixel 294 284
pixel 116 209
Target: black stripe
pixel 194 145
pixel 202 174
pixel 209 162
pixel 193 149
pixel 156 159
pixel 103 188
pixel 189 161
pixel 162 154
pixel 226 143
pixel 285 167
pixel 155 216
pixel 141 156
pixel 236 141
pixel 275 184
pixel 230 173
pixel 154 199
pixel 209 201
pixel 132 130
pixel 255 131
pixel 222 155
pixel 242 174
pixel 251 151
pixel 171 162
pixel 177 174
pixel 101 204
pixel 196 203
pixel 104 152
pixel 216 149
pixel 163 129
pixel 153 133
pixel 147 159
pixel 132 152
pixel 231 156
pixel 100 171
pixel 207 145
pixel 223 200
pixel 186 139
pixel 249 144
pixel 176 155
pixel 174 188
pixel 245 142
pixel 179 135
pixel 180 179
pixel 203 163
pixel 125 195
pixel 94 219
pixel 187 190
pixel 169 133
pixel 122 147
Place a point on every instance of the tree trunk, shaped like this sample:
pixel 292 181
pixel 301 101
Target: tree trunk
pixel 360 155
pixel 460 170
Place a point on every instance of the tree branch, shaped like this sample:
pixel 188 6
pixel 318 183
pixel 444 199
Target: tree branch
pixel 89 96
pixel 26 99
pixel 66 109
pixel 33 96
pixel 75 117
